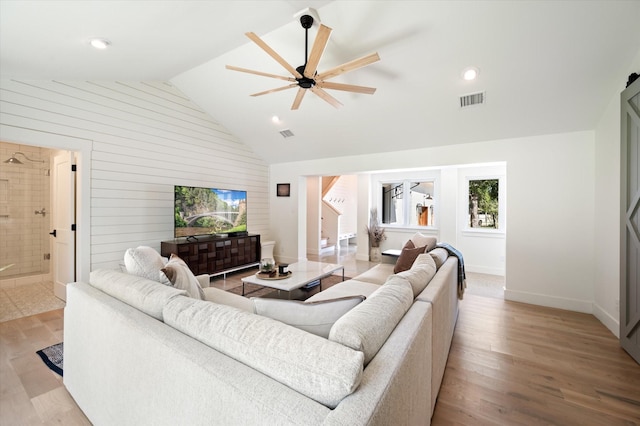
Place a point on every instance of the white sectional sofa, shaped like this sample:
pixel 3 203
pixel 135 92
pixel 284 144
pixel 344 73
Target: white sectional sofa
pixel 138 352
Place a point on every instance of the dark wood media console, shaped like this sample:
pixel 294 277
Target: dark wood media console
pixel 216 255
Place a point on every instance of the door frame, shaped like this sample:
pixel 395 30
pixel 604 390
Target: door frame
pixel 83 149
pixel 629 321
pixel 63 214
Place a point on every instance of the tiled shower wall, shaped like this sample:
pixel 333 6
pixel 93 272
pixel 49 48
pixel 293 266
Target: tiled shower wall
pixel 24 189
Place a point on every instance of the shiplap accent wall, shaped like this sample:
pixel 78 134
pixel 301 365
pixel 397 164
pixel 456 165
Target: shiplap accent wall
pixel 146 137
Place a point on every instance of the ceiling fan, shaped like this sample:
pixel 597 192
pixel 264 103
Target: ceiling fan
pixel 306 77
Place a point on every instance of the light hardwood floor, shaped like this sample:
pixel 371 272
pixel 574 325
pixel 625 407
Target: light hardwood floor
pixel 517 364
pixel 510 364
pixel 30 393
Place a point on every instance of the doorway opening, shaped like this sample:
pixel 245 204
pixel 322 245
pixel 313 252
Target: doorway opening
pixel 25 211
pixel 28 256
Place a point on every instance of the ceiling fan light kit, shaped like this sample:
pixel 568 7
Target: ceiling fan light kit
pixel 306 77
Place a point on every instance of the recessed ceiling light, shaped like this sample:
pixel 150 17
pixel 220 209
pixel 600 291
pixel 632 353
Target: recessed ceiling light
pixel 470 73
pixel 275 119
pixel 100 43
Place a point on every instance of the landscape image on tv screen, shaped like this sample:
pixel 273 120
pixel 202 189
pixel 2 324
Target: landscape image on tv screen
pixel 200 211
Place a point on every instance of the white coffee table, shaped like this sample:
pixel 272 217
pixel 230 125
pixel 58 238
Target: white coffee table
pixel 302 273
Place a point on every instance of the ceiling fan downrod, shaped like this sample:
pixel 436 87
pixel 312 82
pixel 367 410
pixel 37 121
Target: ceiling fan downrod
pixel 306 83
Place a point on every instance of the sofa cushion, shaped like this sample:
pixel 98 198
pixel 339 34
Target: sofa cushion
pixel 177 273
pixel 318 368
pixel 421 240
pixel 376 275
pixel 407 256
pixel 143 294
pixel 217 295
pixel 143 261
pixel 347 288
pixel 314 317
pixel 367 326
pixel 440 256
pixel 421 273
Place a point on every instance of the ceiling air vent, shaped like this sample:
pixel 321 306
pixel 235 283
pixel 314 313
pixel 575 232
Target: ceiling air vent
pixel 286 133
pixel 472 99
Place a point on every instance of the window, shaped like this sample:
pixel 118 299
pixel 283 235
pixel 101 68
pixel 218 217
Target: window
pixel 484 205
pixel 408 203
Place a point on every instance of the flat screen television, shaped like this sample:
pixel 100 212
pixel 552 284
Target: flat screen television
pixel 208 211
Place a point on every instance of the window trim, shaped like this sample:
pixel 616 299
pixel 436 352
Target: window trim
pixel 379 180
pixel 502 216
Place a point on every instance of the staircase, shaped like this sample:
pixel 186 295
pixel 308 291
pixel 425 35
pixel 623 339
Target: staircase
pixel 325 247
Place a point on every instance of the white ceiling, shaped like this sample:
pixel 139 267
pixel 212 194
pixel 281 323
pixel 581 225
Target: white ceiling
pixel 546 66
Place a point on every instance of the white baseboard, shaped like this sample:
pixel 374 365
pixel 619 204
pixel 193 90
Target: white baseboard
pixel 576 305
pixel 60 291
pixel 585 306
pixel 323 250
pixel 613 324
pixel 328 249
pixel 484 270
pixel 289 260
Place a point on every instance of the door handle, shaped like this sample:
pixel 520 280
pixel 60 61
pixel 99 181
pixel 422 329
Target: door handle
pixel 53 233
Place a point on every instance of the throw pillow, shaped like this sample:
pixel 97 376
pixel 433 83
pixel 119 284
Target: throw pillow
pixel 145 295
pixel 440 256
pixel 314 317
pixel 421 273
pixel 407 257
pixel 178 274
pixel 420 240
pixel 143 262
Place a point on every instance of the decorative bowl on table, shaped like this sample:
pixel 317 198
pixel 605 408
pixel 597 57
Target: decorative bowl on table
pixel 268 266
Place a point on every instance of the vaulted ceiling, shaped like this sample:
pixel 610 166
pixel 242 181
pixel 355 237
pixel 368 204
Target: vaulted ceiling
pixel 545 66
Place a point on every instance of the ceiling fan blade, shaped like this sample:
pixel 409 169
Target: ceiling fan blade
pixel 349 66
pixel 298 99
pixel 346 87
pixel 266 92
pixel 327 97
pixel 257 40
pixel 322 38
pixel 264 74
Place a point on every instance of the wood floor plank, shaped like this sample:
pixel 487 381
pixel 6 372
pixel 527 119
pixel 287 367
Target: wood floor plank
pixel 541 366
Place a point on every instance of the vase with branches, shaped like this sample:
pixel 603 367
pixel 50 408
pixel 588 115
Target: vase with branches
pixel 375 231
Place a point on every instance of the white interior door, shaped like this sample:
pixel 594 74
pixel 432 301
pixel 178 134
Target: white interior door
pixel 630 221
pixel 63 215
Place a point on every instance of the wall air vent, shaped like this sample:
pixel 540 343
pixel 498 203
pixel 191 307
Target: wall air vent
pixel 286 133
pixel 472 99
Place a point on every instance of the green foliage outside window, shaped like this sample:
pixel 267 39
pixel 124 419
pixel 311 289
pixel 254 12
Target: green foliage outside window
pixel 483 203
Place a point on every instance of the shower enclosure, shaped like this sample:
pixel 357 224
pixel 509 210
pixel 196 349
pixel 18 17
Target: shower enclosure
pixel 24 211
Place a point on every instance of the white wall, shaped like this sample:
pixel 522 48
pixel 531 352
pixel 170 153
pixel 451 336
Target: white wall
pixel 485 250
pixel 342 196
pixel 138 140
pixel 314 214
pixel 607 212
pixel 550 246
